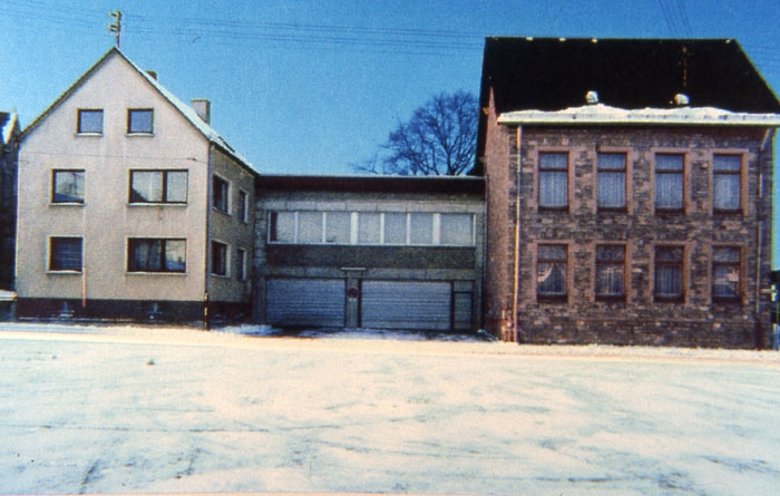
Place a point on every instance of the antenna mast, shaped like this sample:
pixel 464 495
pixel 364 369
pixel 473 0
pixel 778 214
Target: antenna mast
pixel 116 26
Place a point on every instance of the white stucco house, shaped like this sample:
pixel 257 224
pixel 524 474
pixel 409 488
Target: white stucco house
pixel 131 205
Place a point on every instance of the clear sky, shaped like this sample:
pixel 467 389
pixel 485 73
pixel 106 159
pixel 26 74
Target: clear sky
pixel 314 86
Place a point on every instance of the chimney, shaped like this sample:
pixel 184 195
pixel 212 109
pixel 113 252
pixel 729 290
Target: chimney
pixel 152 74
pixel 592 97
pixel 202 107
pixel 682 100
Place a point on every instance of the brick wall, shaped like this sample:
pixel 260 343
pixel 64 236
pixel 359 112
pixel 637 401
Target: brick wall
pixel 697 320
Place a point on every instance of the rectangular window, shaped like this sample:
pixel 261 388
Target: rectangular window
pixel 169 186
pixel 669 182
pixel 421 229
pixel 551 268
pixel 554 180
pixel 669 273
pixel 310 227
pixel 243 206
pixel 221 195
pixel 282 227
pixel 241 264
pixel 610 271
pixel 725 273
pixel 395 228
pixel 726 183
pixel 140 121
pixel 219 258
pixel 68 186
pixel 156 255
pixel 90 121
pixel 611 181
pixel 65 254
pixel 456 229
pixel 369 228
pixel 337 227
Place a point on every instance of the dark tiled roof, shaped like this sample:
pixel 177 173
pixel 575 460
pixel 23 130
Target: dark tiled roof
pixel 372 184
pixel 552 74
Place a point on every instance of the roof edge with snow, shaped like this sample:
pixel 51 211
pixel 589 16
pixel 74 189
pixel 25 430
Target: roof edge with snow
pixel 607 115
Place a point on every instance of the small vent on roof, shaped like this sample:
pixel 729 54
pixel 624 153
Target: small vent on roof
pixel 592 97
pixel 682 100
pixel 202 107
pixel 152 74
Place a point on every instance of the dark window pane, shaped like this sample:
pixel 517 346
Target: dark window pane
pixel 240 264
pixel 668 273
pixel 219 262
pixel 140 121
pixel 157 255
pixel 68 187
pixel 221 194
pixel 242 206
pixel 65 254
pixel 90 121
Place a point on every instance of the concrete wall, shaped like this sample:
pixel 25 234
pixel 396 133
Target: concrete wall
pixel 106 219
pixel 695 321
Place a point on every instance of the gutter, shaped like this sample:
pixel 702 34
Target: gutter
pixel 206 257
pixel 516 268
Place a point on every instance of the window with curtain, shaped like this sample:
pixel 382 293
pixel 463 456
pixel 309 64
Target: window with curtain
pixel 669 273
pixel 164 186
pixel 551 262
pixel 156 255
pixel 611 181
pixel 554 180
pixel 610 271
pixel 669 182
pixel 726 183
pixel 68 186
pixel 725 272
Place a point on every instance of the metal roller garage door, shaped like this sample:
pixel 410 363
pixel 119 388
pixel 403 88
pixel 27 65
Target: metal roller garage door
pixel 305 302
pixel 406 305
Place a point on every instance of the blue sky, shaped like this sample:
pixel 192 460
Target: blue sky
pixel 314 86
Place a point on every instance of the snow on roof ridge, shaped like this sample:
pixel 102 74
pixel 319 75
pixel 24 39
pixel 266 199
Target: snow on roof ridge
pixel 601 113
pixel 8 127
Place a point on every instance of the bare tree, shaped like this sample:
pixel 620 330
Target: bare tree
pixel 439 139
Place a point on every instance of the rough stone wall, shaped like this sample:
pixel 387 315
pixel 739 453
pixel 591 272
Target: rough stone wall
pixel 695 321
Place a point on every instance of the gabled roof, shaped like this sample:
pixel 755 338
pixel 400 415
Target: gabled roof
pixel 185 110
pixel 554 74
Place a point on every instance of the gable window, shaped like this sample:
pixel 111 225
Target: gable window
pixel 554 180
pixel 67 186
pixel 669 182
pixel 156 255
pixel 610 271
pixel 669 273
pixel 140 121
pixel 726 183
pixel 167 186
pixel 221 195
pixel 551 267
pixel 243 206
pixel 219 258
pixel 456 229
pixel 241 264
pixel 725 273
pixel 90 121
pixel 611 181
pixel 65 254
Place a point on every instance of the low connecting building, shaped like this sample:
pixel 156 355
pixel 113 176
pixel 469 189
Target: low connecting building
pixel 626 199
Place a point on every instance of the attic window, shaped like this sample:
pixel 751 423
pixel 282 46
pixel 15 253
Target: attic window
pixel 140 121
pixel 90 121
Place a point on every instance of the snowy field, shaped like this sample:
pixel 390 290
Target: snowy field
pixel 107 410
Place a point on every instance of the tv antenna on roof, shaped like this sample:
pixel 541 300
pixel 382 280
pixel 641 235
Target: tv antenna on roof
pixel 116 26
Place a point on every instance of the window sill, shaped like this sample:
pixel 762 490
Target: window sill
pixel 727 213
pixel 156 204
pixel 167 274
pixel 724 300
pixel 552 299
pixel 670 212
pixel 64 272
pixel 67 204
pixel 548 210
pixel 140 135
pixel 611 299
pixel 223 212
pixel 675 299
pixel 220 276
pixel 89 135
pixel 612 211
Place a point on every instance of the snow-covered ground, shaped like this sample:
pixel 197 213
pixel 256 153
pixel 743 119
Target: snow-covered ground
pixel 133 409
